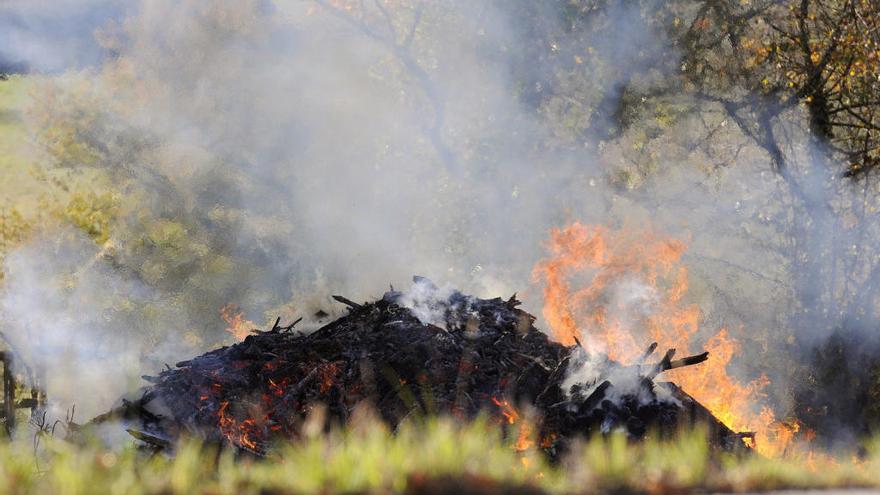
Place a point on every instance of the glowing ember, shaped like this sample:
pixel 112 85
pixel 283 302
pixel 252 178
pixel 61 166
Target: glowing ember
pixel 327 375
pixel 615 290
pixel 524 437
pixel 237 433
pixel 277 389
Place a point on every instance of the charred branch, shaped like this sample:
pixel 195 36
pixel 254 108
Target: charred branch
pixel 348 302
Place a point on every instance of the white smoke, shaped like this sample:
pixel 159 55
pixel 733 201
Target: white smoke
pixel 427 302
pixel 590 370
pixel 629 302
pixel 73 324
pixel 364 155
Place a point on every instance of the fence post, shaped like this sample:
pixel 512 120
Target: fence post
pixel 8 391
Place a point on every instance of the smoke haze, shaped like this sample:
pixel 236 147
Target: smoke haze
pixel 322 150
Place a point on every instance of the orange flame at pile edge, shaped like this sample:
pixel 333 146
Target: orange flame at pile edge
pixel 605 259
pixel 238 327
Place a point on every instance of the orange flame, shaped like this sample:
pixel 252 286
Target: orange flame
pixel 507 410
pixel 618 290
pixel 235 432
pixel 524 439
pixel 239 327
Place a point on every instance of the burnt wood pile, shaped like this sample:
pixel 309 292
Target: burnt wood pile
pixel 407 357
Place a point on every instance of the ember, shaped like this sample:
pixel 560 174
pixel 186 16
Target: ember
pixel 453 354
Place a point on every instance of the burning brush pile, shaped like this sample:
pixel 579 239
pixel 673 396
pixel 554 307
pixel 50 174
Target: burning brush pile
pixel 427 351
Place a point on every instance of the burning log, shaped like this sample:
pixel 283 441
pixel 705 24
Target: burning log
pixel 667 363
pixel 403 356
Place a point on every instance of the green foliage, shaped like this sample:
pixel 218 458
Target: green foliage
pixel 820 55
pixel 18 187
pixel 41 195
pixel 68 123
pixel 367 458
pixel 92 213
pixel 13 229
pixel 185 248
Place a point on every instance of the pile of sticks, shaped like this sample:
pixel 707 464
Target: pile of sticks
pixel 474 356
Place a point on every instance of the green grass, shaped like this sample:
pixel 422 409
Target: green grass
pixel 368 459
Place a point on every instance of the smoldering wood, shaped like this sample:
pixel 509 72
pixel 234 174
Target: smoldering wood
pixel 479 353
pixel 276 327
pixel 348 302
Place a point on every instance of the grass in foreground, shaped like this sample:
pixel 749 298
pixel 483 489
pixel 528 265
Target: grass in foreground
pixel 439 456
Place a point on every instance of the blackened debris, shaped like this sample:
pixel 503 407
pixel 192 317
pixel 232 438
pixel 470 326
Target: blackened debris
pixel 424 352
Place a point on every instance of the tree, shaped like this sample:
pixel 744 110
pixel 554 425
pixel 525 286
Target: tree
pixel 800 79
pixel 780 54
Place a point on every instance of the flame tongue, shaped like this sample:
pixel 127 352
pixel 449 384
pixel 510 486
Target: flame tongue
pixel 524 440
pixel 239 327
pixel 631 291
